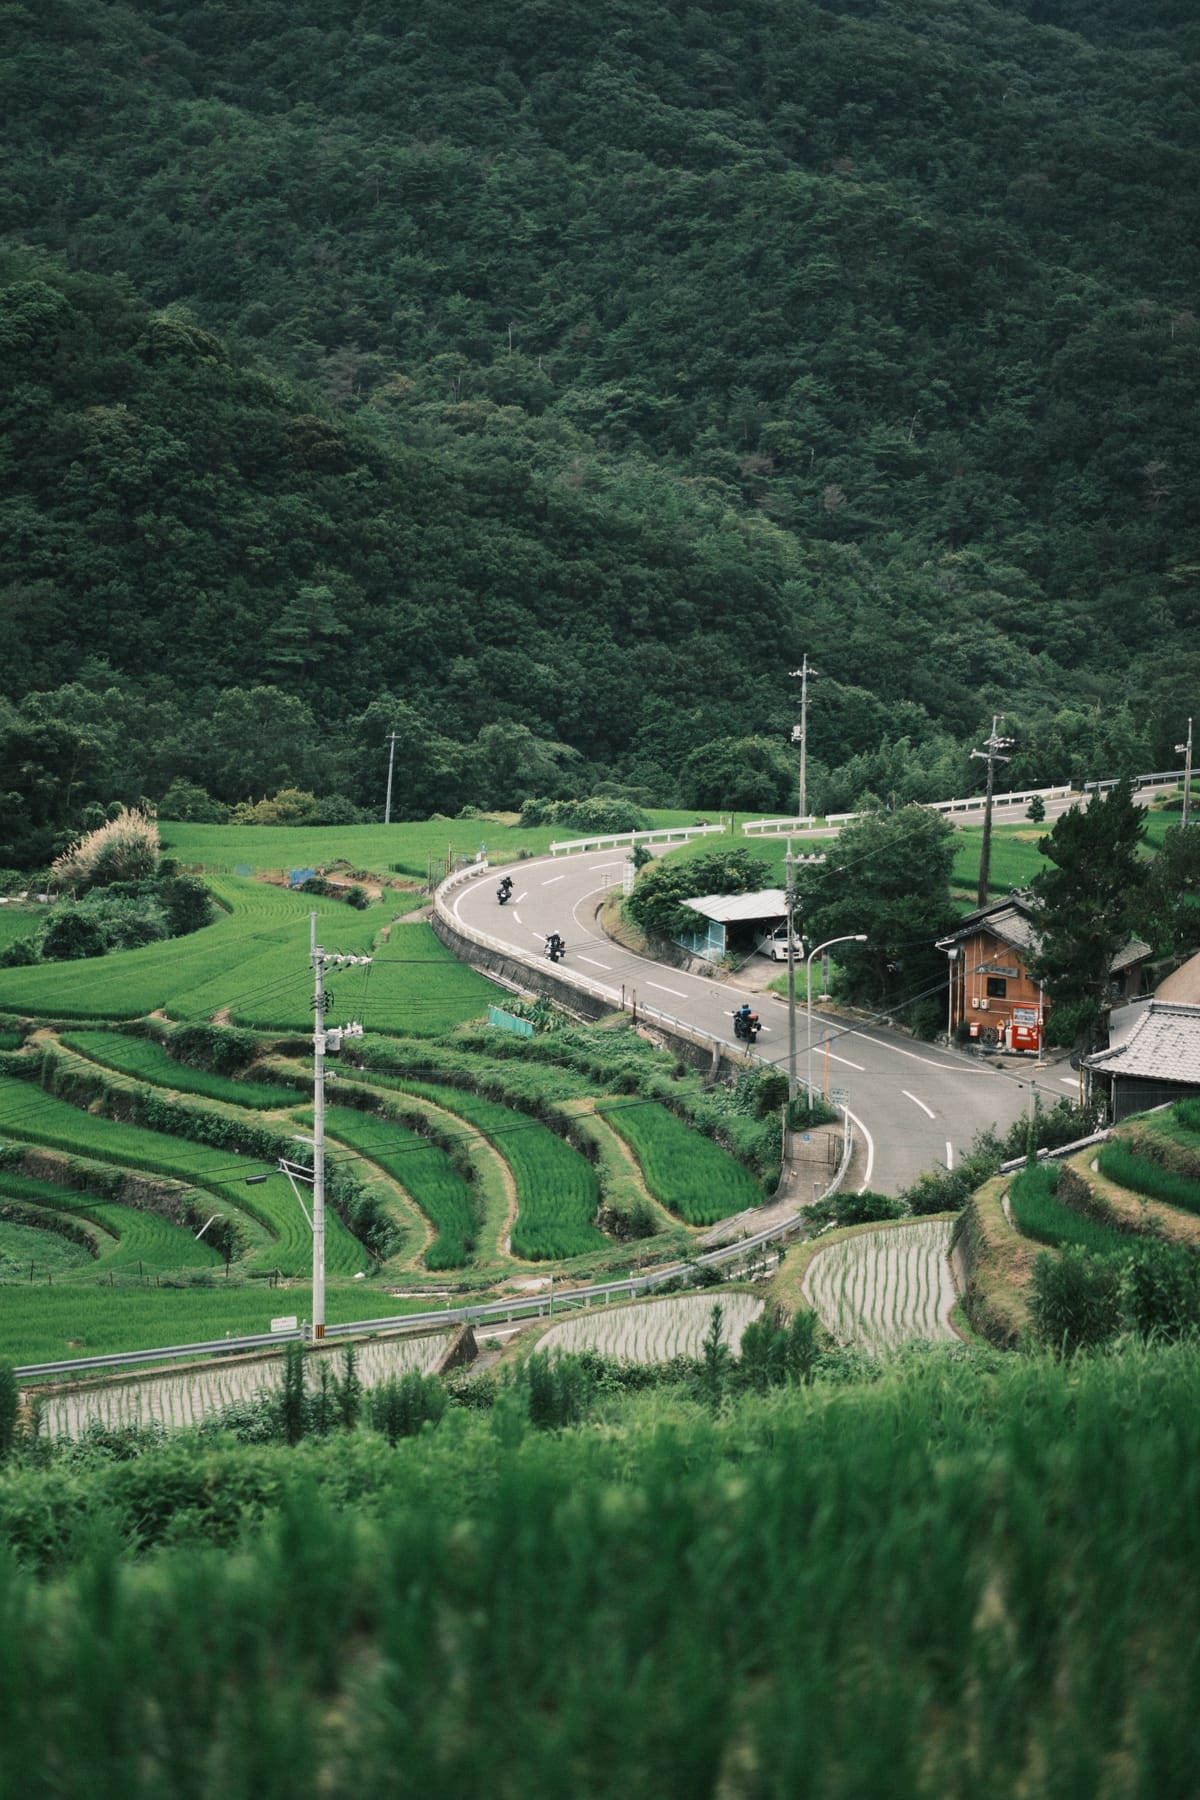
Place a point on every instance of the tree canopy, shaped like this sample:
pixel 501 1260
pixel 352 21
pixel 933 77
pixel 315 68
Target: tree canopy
pixel 578 370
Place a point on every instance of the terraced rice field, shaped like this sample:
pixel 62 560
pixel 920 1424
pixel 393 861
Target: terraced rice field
pixel 254 960
pixel 124 1236
pixel 686 1172
pixel 147 1061
pixel 177 1401
pixel 880 1289
pixel 275 1229
pixel 654 1331
pixel 557 1191
pixel 425 1173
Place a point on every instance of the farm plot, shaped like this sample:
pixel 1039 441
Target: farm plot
pixel 426 1175
pixel 147 1061
pixel 178 1401
pixel 880 1289
pixel 26 1247
pixel 689 1174
pixel 124 1236
pixel 654 1331
pixel 557 1191
pixel 272 1224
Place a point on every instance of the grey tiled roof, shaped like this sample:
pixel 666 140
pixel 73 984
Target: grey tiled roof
pixel 1164 1045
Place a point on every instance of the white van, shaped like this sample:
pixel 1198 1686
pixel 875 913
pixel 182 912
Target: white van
pixel 776 945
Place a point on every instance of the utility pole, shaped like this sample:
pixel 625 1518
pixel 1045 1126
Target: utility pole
pixel 991 750
pixel 1187 772
pixel 789 861
pixel 317 960
pixel 387 811
pixel 323 1042
pixel 800 732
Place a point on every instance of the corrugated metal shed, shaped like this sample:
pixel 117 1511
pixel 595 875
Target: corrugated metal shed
pixel 728 909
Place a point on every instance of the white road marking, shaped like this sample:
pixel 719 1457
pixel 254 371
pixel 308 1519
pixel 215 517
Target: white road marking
pixel 927 1110
pixel 1069 1080
pixel 928 1061
pixel 870 1142
pixel 949 1154
pixel 844 1060
pixel 678 992
pixel 517 917
pixel 553 879
pixel 591 961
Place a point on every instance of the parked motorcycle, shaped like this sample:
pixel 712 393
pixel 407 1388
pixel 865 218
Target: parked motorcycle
pixel 747 1026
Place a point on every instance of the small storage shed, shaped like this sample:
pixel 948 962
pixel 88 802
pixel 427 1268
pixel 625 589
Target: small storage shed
pixel 1155 1059
pixel 733 923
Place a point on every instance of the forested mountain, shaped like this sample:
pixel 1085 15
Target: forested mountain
pixel 575 369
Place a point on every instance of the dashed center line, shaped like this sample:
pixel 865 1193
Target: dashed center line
pixel 553 879
pixel 679 993
pixel 949 1154
pixel 592 963
pixel 927 1110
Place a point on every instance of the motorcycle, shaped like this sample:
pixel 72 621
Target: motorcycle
pixel 747 1026
pixel 555 948
pixel 504 895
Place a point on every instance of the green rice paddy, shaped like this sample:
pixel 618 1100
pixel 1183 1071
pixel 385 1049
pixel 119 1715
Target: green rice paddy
pixel 689 1174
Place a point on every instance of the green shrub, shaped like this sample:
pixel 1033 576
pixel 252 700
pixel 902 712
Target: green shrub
pixel 399 1408
pixel 1076 1300
pixel 1160 1290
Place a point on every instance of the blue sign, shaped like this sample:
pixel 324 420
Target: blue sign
pixel 298 877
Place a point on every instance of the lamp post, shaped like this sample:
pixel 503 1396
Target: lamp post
pixel 851 937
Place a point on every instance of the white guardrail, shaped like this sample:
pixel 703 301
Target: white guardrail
pixel 974 803
pixel 665 834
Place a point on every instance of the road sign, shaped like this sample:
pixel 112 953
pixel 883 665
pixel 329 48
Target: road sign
pixel 291 1323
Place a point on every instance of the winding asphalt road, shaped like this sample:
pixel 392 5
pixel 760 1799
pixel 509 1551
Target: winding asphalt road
pixel 915 1105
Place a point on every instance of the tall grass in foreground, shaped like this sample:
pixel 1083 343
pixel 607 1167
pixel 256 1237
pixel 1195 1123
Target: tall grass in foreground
pixel 962 1581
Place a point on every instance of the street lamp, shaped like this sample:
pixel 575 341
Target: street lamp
pixel 853 937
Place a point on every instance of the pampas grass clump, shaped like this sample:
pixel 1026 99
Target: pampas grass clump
pixel 124 849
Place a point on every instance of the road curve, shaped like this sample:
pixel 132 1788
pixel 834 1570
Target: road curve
pixel 917 1105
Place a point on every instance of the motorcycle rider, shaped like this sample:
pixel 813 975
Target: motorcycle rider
pixel 554 946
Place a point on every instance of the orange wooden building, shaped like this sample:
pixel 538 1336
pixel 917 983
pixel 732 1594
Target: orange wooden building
pixel 991 988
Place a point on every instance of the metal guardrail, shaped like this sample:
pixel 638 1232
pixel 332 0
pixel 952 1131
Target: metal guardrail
pixel 1050 1153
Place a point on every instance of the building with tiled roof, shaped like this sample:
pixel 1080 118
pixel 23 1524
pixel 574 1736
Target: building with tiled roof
pixel 1153 1057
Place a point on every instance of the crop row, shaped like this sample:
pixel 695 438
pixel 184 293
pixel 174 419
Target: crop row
pixel 145 1060
pixel 177 1401
pixel 557 1191
pixel 655 1331
pixel 426 1174
pixel 880 1289
pixel 1127 1169
pixel 1040 1215
pixel 689 1174
pixel 271 1222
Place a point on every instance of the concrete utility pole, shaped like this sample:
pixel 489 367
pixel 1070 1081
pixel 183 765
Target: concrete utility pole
pixel 789 861
pixel 387 811
pixel 331 1042
pixel 991 750
pixel 1187 772
pixel 800 732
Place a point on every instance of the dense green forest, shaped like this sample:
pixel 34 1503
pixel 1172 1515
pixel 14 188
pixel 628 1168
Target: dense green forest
pixel 542 382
